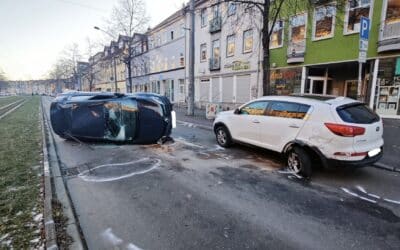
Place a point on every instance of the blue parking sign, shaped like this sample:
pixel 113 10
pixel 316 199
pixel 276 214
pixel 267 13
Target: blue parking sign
pixel 364 28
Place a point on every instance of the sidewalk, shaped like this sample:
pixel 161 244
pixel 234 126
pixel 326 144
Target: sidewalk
pixel 391 135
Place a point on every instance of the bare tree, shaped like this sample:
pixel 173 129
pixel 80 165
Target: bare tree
pixel 2 75
pixel 127 18
pixel 90 73
pixel 270 11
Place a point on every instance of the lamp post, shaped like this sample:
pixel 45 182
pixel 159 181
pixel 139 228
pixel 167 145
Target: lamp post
pixel 113 57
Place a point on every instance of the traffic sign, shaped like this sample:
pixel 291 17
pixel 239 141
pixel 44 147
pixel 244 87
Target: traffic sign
pixel 363 45
pixel 364 28
pixel 362 56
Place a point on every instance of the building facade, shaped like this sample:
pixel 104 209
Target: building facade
pixel 317 52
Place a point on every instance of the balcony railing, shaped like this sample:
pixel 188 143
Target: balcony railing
pixel 296 51
pixel 215 63
pixel 215 24
pixel 390 37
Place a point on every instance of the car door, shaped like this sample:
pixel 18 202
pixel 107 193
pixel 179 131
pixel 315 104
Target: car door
pixel 282 123
pixel 245 125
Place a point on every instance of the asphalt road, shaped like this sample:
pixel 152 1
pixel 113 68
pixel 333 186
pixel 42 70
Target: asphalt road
pixel 192 194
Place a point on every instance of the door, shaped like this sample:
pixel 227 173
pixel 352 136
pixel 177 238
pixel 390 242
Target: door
pixel 282 123
pixel 245 126
pixel 87 119
pixel 350 89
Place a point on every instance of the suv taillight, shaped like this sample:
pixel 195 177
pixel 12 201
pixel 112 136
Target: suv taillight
pixel 345 130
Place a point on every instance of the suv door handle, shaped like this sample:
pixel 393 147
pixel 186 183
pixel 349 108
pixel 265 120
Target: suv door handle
pixel 294 126
pixel 256 121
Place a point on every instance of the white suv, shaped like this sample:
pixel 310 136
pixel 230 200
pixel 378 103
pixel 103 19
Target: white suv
pixel 335 131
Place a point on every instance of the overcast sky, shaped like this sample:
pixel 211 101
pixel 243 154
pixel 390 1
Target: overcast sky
pixel 34 32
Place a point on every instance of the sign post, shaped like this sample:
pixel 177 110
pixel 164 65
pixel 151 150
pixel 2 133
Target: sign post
pixel 363 48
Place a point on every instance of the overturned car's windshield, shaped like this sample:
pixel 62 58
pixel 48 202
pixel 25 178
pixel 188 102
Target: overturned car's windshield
pixel 120 119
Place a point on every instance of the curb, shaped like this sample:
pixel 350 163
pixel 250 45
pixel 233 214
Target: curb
pixel 194 125
pixel 385 167
pixel 49 226
pixel 60 189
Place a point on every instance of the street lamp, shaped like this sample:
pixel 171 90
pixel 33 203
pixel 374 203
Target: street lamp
pixel 113 56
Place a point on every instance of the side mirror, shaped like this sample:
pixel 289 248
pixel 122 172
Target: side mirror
pixel 237 111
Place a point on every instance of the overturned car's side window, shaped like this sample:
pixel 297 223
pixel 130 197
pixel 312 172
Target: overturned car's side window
pixel 120 119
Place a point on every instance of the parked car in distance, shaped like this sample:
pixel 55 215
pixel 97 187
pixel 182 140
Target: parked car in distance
pixel 138 118
pixel 331 131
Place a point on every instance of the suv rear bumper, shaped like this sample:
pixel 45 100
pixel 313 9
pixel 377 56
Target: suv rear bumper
pixel 331 163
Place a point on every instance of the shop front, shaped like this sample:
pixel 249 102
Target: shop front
pixel 286 81
pixel 387 91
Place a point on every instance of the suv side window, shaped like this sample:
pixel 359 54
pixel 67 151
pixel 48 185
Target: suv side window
pixel 288 110
pixel 254 108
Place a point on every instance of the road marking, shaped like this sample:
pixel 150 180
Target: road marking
pixel 85 177
pixel 110 237
pixel 356 195
pixel 392 201
pixel 131 246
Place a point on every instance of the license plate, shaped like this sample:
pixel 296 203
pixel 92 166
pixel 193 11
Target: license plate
pixel 374 152
pixel 173 116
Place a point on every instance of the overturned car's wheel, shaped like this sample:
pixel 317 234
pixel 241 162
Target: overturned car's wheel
pixel 223 137
pixel 299 161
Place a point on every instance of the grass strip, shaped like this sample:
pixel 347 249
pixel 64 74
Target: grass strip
pixel 20 178
pixel 7 100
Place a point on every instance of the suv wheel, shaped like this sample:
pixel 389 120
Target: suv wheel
pixel 299 161
pixel 223 136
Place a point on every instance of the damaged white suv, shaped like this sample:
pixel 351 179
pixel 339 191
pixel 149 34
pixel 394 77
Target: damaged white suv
pixel 331 131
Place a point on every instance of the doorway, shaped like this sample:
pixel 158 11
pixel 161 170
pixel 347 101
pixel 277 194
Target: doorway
pixel 317 85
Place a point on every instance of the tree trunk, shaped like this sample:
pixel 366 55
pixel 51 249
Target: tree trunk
pixel 129 76
pixel 266 54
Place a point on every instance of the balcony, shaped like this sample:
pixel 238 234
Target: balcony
pixel 390 37
pixel 215 24
pixel 296 52
pixel 215 63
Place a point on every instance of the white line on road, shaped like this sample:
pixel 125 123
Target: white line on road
pixel 392 201
pixel 182 140
pixel 155 164
pixel 356 195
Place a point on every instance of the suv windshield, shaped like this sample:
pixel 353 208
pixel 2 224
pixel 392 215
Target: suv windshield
pixel 357 113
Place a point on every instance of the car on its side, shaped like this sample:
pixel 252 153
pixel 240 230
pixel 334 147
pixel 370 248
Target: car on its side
pixel 333 131
pixel 137 118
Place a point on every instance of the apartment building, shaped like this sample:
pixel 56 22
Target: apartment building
pixel 158 64
pixel 317 52
pixel 227 53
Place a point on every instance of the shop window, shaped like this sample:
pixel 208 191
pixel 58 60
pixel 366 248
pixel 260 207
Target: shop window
pixel 354 11
pixel 203 17
pixel 247 41
pixel 203 52
pixel 277 35
pixel 230 46
pixel 324 22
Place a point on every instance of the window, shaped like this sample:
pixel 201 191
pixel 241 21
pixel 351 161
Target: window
pixel 230 46
pixel 216 12
pixel 203 52
pixel 215 54
pixel 393 12
pixel 231 9
pixel 172 35
pixel 288 110
pixel 254 108
pixel 297 33
pixel 247 41
pixel 354 11
pixel 277 35
pixel 203 17
pixel 357 113
pixel 324 21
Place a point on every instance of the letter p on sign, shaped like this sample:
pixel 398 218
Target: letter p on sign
pixel 364 30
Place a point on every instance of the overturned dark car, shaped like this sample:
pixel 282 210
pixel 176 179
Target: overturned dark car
pixel 137 118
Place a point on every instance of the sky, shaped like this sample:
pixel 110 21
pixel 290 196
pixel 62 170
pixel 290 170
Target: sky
pixel 33 33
